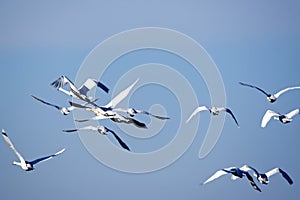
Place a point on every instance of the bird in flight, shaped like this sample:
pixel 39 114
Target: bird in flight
pixel 271 97
pixel 287 118
pixel 214 111
pixel 264 178
pixel 26 165
pixel 235 174
pixel 63 110
pixel 102 130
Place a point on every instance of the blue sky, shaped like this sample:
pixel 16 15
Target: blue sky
pixel 255 42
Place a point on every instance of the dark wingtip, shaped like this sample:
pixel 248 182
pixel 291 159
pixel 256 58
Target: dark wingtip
pixel 286 176
pixel 3 132
pixel 103 87
pixel 70 131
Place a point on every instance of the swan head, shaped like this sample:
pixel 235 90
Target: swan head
pixel 262 178
pixel 284 119
pixel 29 167
pixel 132 112
pixel 64 111
pixel 102 130
pixel 214 110
pixel 271 98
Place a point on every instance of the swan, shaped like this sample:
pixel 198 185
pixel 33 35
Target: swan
pixel 81 92
pixel 213 111
pixel 236 173
pixel 63 110
pixel 102 130
pixel 132 112
pixel 26 165
pixel 271 97
pixel 264 178
pixel 287 118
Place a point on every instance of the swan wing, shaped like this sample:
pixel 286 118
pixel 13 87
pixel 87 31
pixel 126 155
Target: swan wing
pixel 199 109
pixel 285 90
pixel 90 84
pixel 120 141
pixel 46 157
pixel 122 95
pixel 253 184
pixel 156 116
pixel 266 118
pixel 216 175
pixel 44 102
pixel 283 173
pixel 252 86
pixel 10 144
pixel 232 115
pixel 292 113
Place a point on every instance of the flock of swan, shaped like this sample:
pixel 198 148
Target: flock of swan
pixel 109 111
pixel 240 172
pixel 126 115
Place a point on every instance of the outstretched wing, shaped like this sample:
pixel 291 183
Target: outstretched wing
pixel 156 116
pixel 285 90
pixel 70 130
pixel 283 173
pixel 292 113
pixel 199 109
pixel 253 184
pixel 76 105
pixel 230 112
pixel 90 84
pixel 122 95
pixel 252 86
pixel 44 102
pixel 215 176
pixel 135 122
pixel 120 141
pixel 62 81
pixel 266 118
pixel 46 157
pixel 10 144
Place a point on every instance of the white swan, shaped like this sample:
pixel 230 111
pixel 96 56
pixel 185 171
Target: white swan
pixel 271 97
pixel 264 178
pixel 26 165
pixel 102 130
pixel 236 173
pixel 287 118
pixel 81 92
pixel 213 111
pixel 63 110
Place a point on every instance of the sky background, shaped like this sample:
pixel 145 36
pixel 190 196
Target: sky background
pixel 255 42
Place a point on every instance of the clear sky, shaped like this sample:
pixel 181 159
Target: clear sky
pixel 255 42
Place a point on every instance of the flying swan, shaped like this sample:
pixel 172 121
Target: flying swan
pixel 264 178
pixel 287 118
pixel 102 130
pixel 271 97
pixel 213 111
pixel 63 110
pixel 26 165
pixel 236 173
